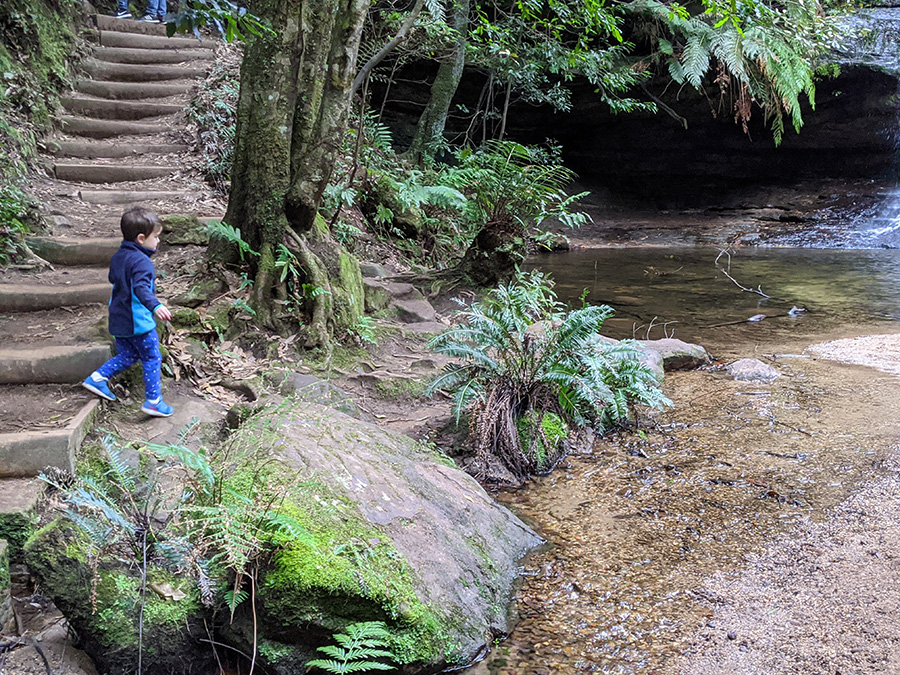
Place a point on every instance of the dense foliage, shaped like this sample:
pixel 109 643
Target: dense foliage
pixel 532 373
pixel 37 40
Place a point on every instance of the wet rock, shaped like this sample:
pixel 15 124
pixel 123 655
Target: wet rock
pixel 677 354
pixel 752 370
pixel 396 530
pixel 313 390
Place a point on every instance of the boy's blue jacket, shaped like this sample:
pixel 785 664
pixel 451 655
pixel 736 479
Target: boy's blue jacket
pixel 133 301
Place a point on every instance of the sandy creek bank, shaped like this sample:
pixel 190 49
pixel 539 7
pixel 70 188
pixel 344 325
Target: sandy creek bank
pixel 684 526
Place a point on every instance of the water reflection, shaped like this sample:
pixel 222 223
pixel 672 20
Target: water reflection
pixel 682 287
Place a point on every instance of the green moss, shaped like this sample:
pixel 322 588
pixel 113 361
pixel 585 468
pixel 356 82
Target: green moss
pixel 16 528
pixel 58 556
pixel 347 292
pixel 552 430
pixel 4 568
pixel 182 230
pixel 348 570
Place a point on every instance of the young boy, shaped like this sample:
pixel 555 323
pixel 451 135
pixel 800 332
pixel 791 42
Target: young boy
pixel 131 311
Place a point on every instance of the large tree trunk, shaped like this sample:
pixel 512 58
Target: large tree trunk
pixel 292 113
pixel 332 32
pixel 430 130
pixel 260 174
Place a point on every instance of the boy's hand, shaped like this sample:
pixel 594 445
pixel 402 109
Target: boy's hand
pixel 163 313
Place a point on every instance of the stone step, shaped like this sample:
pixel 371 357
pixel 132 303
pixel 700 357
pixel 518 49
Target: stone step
pixel 32 298
pixel 110 173
pixel 82 126
pixel 148 56
pixel 28 453
pixel 111 23
pixel 88 251
pixel 46 365
pixel 123 72
pixel 132 90
pixel 135 41
pixel 92 149
pixel 128 196
pixel 117 110
pixel 19 499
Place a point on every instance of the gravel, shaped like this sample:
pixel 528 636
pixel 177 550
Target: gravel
pixel 824 598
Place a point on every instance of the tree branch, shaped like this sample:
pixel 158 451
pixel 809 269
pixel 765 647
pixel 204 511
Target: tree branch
pixel 401 35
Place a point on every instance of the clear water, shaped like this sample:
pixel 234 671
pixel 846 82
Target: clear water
pixel 638 522
pixel 842 291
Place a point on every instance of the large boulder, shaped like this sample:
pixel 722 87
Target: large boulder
pixel 399 534
pixel 103 612
pixel 405 300
pixel 677 354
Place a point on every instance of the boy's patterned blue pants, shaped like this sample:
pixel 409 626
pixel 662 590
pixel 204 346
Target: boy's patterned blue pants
pixel 143 348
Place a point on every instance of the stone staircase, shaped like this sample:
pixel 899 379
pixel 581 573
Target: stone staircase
pixel 121 142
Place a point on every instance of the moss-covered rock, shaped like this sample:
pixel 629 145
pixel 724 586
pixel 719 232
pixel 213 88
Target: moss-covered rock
pixel 184 230
pixel 199 292
pixel 5 599
pixel 109 623
pixel 396 535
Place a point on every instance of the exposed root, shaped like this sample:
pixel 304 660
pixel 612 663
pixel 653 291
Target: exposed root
pixel 319 335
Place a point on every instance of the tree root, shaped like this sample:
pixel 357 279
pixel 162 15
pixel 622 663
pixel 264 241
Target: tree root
pixel 319 334
pixel 239 386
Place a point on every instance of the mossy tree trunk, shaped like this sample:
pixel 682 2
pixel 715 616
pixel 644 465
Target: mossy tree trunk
pixel 333 29
pixel 292 112
pixel 430 130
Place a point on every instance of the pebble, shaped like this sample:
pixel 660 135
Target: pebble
pixel 732 635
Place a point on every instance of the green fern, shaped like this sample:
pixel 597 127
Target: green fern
pixel 519 351
pixel 357 650
pixel 232 235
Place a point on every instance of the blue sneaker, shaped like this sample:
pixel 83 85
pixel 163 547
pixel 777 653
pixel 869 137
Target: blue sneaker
pixel 157 408
pixel 97 385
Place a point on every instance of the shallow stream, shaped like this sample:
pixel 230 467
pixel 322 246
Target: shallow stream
pixel 638 521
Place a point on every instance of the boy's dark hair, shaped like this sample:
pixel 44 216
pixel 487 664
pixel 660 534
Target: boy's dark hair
pixel 139 221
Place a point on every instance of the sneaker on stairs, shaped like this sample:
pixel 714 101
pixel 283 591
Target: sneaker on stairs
pixel 123 15
pixel 97 384
pixel 157 408
pixel 149 19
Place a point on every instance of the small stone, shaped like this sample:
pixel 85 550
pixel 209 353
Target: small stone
pixel 752 370
pixel 731 635
pixel 373 271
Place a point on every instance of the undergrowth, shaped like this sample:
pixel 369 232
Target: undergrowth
pixel 531 370
pixel 37 44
